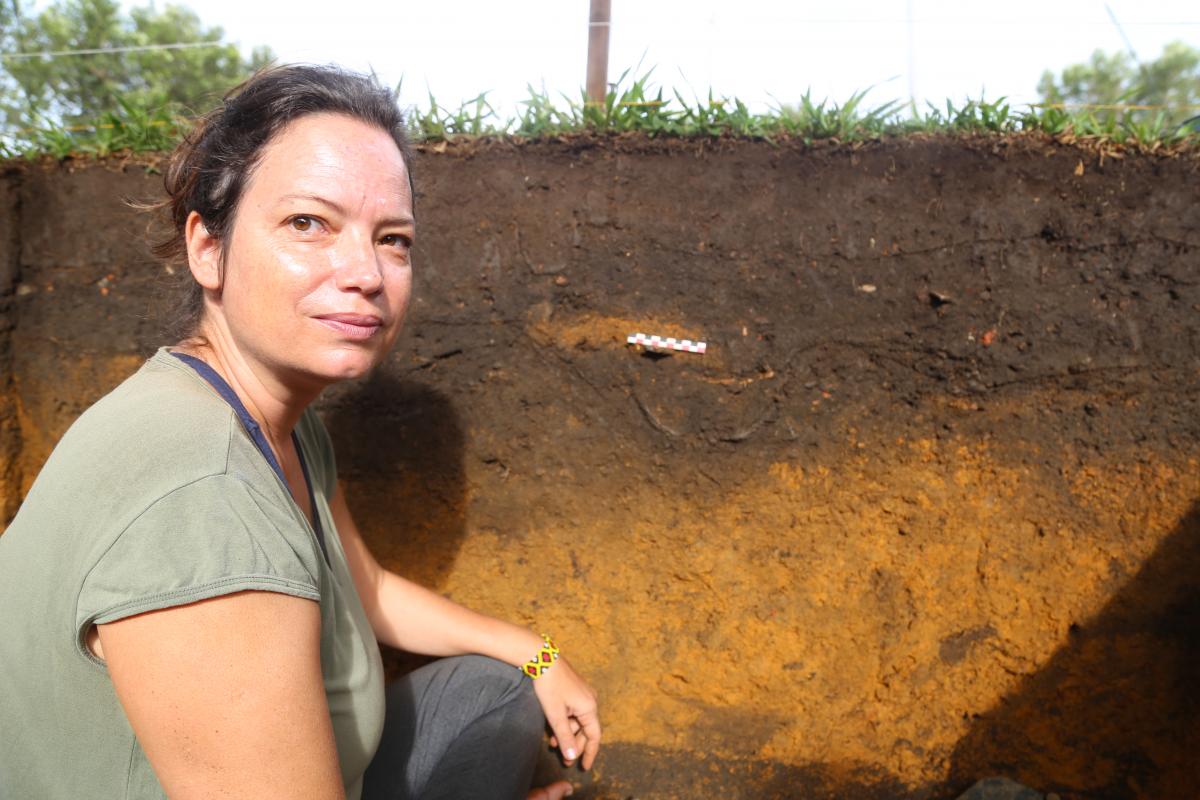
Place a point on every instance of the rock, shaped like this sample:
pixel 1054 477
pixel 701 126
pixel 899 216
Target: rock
pixel 1000 789
pixel 939 299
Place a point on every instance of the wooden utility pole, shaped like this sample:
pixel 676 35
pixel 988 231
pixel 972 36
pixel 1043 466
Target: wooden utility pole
pixel 599 22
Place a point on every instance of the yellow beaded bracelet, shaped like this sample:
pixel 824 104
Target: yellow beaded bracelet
pixel 536 667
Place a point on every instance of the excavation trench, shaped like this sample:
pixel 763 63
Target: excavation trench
pixel 924 511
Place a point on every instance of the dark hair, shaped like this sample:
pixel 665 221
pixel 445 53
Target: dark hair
pixel 207 171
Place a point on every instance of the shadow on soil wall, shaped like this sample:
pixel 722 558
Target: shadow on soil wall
pixel 1116 711
pixel 924 512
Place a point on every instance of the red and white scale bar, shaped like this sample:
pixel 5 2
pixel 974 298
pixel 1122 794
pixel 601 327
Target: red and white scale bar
pixel 666 343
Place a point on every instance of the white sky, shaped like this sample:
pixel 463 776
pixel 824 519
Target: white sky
pixel 759 50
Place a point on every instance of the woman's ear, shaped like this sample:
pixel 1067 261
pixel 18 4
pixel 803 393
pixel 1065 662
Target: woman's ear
pixel 204 253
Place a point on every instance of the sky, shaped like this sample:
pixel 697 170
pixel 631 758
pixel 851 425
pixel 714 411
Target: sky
pixel 763 51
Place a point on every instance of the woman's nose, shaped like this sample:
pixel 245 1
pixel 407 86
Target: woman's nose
pixel 358 266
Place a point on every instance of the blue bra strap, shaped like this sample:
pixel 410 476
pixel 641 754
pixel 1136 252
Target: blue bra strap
pixel 260 440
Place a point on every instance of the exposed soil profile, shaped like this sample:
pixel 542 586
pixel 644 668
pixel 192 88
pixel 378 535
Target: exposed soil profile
pixel 925 511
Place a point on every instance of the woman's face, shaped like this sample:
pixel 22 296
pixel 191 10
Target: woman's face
pixel 317 272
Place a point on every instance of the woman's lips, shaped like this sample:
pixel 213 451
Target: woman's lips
pixel 353 326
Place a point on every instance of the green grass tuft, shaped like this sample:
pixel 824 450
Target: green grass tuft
pixel 634 106
pixel 130 129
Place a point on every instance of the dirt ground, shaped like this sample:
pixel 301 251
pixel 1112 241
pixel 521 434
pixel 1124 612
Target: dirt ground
pixel 925 511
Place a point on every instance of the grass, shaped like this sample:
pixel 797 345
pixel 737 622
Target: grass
pixel 129 129
pixel 632 105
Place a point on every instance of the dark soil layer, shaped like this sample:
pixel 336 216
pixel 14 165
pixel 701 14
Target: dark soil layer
pixel 925 511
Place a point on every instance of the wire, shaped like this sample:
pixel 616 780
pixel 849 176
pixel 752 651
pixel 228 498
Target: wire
pixel 1110 106
pixel 101 50
pixel 742 20
pixel 97 127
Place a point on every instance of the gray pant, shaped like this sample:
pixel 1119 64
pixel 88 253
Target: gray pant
pixel 459 728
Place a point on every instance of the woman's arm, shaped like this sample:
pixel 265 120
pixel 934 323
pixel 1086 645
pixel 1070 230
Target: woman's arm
pixel 410 617
pixel 226 696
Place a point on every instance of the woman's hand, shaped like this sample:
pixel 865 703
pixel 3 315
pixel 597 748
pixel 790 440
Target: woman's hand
pixel 570 707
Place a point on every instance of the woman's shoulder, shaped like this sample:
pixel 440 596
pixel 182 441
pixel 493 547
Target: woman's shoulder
pixel 154 468
pixel 162 415
pixel 164 390
pixel 161 429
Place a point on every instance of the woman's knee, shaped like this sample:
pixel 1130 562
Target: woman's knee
pixel 527 708
pixel 490 701
pixel 495 676
pixel 510 688
pixel 495 682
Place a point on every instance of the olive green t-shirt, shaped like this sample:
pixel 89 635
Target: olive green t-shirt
pixel 157 497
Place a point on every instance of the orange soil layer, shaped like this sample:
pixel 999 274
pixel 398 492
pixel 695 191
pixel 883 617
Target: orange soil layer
pixel 858 615
pixel 862 614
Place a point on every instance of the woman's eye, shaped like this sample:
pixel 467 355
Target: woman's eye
pixel 303 224
pixel 396 240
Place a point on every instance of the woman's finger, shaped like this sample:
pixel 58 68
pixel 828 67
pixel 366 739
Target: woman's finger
pixel 561 728
pixel 555 791
pixel 590 722
pixel 575 729
pixel 581 742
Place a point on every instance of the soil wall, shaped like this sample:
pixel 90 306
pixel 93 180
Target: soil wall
pixel 925 511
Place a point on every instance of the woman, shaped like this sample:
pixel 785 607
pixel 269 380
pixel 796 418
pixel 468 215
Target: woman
pixel 188 608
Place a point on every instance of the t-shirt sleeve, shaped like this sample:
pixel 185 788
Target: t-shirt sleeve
pixel 212 537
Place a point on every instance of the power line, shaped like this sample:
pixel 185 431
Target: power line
pixel 1112 106
pixel 948 21
pixel 1120 30
pixel 102 50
